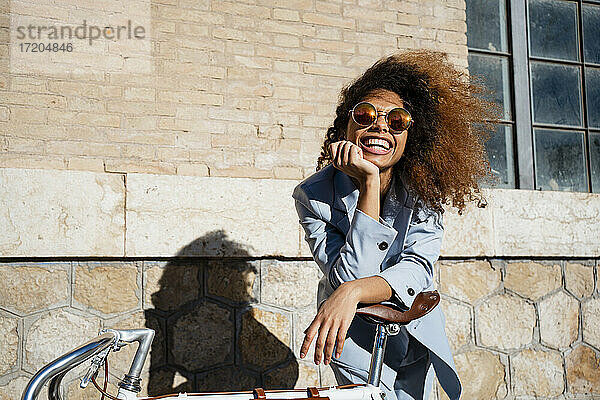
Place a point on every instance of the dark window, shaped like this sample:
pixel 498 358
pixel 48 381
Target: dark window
pixel 542 60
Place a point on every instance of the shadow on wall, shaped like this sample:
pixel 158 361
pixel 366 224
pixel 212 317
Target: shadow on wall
pixel 211 336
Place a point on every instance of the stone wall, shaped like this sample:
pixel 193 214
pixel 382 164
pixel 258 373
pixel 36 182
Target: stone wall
pixel 518 328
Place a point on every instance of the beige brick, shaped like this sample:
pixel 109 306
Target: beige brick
pixel 86 164
pixel 149 122
pixel 329 45
pixel 138 151
pixel 28 114
pixel 240 8
pixel 286 40
pixel 285 53
pixel 77 103
pixel 139 94
pixel 181 14
pixel 111 91
pixel 286 93
pixel 287 172
pixel 20 160
pixel 329 33
pixel 328 7
pixel 292 4
pixel 33 99
pixel 329 70
pixel 287 27
pixel 28 84
pixel 173 154
pixel 367 13
pixel 286 15
pixel 210 71
pixel 24 145
pixel 74 88
pixel 81 147
pixel 195 169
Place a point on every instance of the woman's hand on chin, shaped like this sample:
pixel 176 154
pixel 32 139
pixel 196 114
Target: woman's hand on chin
pixel 331 324
pixel 348 158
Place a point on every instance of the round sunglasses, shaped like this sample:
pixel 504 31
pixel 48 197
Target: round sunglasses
pixel 365 114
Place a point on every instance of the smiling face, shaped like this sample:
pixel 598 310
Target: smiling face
pixel 379 145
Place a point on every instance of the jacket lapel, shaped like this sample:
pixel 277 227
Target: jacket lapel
pixel 345 198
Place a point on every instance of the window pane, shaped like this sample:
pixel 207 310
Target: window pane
pixel 559 160
pixel 486 25
pixel 591 33
pixel 553 29
pixel 494 72
pixel 556 94
pixel 595 159
pixel 500 154
pixel 592 87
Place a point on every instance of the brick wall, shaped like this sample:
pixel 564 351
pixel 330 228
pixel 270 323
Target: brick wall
pixel 243 89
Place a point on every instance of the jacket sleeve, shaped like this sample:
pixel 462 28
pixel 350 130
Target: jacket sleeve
pixel 341 257
pixel 413 272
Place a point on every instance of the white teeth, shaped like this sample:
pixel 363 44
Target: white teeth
pixel 377 142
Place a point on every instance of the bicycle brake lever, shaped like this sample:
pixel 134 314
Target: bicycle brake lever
pixel 99 359
pixel 97 362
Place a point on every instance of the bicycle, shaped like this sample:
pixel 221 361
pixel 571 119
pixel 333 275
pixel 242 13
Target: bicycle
pixel 386 317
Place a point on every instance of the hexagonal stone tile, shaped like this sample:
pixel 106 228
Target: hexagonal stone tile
pixel 294 375
pixel 583 370
pixel 202 337
pixel 9 345
pixel 532 280
pixel 468 281
pixel 290 284
pixel 227 379
pixel 537 373
pixel 107 287
pixel 265 337
pixel 591 322
pixel 559 320
pixel 29 287
pixel 44 343
pixel 235 280
pixel 458 324
pixel 504 322
pixel 579 279
pixel 170 285
pixel 486 381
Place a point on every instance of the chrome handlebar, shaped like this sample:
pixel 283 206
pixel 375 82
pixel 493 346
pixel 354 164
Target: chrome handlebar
pixel 99 348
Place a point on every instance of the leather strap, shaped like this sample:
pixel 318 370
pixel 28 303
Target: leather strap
pixel 259 393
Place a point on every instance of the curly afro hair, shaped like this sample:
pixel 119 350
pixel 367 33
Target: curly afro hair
pixel 444 161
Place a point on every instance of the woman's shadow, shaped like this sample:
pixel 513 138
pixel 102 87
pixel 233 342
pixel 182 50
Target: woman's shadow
pixel 211 336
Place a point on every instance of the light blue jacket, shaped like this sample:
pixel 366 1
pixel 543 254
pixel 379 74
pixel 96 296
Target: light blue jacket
pixel 401 247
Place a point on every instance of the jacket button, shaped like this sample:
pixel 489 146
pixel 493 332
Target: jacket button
pixel 410 291
pixel 383 246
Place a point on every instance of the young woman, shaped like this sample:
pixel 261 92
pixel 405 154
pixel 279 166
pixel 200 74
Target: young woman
pixel 407 138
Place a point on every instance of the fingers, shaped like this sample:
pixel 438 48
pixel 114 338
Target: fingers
pixel 341 338
pixel 308 338
pixel 330 344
